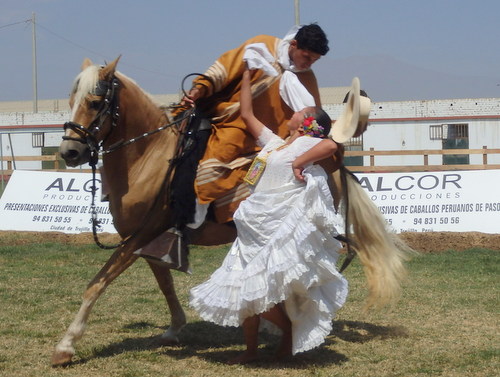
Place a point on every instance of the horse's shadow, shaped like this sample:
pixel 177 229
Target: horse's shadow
pixel 211 342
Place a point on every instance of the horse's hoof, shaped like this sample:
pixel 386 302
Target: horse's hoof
pixel 169 341
pixel 61 358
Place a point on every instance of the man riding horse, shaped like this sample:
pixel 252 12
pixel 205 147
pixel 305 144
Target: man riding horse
pixel 283 83
pixel 216 94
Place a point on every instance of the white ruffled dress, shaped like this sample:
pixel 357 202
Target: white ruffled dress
pixel 285 251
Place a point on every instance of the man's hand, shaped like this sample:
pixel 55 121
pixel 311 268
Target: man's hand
pixel 191 98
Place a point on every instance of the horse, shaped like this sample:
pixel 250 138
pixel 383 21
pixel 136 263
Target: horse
pixel 112 116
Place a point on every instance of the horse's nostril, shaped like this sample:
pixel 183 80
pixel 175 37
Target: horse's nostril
pixel 70 154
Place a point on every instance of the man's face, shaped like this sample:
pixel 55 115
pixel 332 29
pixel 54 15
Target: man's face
pixel 302 59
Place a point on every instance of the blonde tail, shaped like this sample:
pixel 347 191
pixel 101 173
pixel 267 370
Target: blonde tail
pixel 381 252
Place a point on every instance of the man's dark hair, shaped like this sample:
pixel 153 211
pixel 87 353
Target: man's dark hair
pixel 313 38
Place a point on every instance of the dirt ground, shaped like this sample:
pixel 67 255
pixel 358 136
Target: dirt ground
pixel 423 242
pixel 459 241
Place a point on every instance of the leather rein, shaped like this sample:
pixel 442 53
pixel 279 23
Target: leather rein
pixel 109 108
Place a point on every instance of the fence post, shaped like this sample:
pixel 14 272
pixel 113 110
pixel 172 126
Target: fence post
pixel 485 155
pixel 372 157
pixel 56 161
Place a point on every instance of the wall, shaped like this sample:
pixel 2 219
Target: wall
pixel 405 126
pixel 394 126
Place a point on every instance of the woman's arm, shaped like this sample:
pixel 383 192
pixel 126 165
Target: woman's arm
pixel 254 125
pixel 325 148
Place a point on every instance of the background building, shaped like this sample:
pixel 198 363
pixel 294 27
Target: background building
pixel 394 126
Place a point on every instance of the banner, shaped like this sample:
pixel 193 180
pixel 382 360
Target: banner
pixel 52 201
pixel 448 201
pixel 452 201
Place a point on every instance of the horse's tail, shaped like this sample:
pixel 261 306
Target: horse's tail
pixel 381 251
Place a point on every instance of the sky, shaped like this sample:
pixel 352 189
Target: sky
pixel 401 50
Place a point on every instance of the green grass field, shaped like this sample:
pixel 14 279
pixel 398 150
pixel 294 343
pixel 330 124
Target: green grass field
pixel 446 323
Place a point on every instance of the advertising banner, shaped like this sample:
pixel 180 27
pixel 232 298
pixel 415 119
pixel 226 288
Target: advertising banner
pixel 448 201
pixel 452 201
pixel 52 201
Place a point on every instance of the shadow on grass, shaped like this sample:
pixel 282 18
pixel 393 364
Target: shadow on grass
pixel 216 344
pixel 362 332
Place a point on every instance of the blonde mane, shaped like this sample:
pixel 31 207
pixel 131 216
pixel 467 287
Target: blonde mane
pixel 86 83
pixel 148 95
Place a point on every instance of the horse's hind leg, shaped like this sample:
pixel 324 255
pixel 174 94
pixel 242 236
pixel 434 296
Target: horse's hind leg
pixel 178 318
pixel 119 262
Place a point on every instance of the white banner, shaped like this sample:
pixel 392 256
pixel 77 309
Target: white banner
pixel 451 201
pixel 458 201
pixel 52 201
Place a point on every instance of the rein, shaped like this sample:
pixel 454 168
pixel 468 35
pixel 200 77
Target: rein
pixel 170 170
pixel 122 143
pixel 109 107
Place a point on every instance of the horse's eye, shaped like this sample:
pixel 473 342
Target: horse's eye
pixel 94 105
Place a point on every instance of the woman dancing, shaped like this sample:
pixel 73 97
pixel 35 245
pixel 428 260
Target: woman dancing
pixel 281 268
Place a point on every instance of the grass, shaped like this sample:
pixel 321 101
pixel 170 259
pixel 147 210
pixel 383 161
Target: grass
pixel 446 323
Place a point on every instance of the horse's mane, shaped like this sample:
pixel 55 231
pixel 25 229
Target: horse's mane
pixel 148 95
pixel 85 83
pixel 87 80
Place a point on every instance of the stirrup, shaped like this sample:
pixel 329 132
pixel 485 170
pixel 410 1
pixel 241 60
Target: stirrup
pixel 168 249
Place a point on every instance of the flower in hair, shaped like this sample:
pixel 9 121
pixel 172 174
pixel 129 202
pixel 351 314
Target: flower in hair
pixel 310 127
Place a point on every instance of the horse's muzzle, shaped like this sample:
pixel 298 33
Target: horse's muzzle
pixel 74 152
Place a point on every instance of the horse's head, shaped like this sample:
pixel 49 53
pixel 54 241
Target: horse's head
pixel 94 109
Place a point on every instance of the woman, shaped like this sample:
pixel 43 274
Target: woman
pixel 281 267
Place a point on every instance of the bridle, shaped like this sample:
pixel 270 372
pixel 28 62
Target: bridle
pixel 109 108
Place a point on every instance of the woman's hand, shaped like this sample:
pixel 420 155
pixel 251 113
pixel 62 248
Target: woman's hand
pixel 297 172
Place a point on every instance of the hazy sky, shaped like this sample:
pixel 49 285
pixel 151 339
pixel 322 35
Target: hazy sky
pixel 401 50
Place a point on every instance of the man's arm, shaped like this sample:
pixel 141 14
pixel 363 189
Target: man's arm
pixel 225 70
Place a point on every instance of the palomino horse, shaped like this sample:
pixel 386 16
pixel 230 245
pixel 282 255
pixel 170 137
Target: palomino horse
pixel 110 110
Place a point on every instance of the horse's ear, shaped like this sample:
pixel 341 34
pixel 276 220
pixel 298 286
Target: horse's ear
pixel 110 69
pixel 86 63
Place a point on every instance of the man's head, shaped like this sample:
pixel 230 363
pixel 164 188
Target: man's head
pixel 313 38
pixel 308 45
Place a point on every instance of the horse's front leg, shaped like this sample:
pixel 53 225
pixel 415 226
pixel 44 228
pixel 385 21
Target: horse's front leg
pixel 178 318
pixel 120 260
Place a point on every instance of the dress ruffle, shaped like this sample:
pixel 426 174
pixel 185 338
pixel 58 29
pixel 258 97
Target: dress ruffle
pixel 284 253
